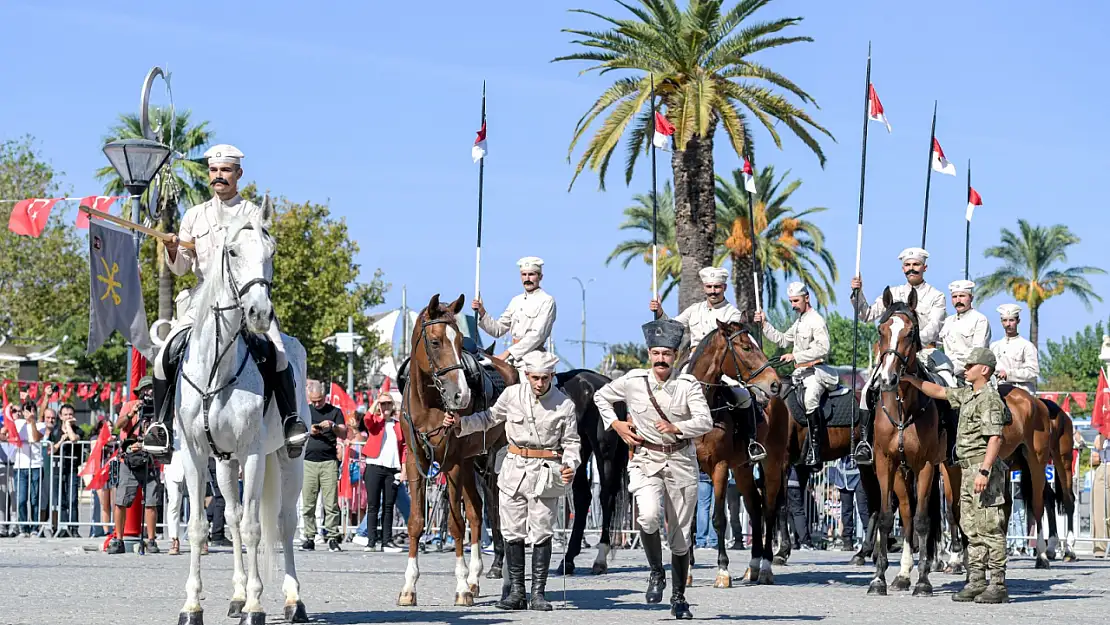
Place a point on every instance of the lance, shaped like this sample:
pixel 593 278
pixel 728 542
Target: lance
pixel 751 235
pixel 654 205
pixel 929 174
pixel 134 227
pixel 481 179
pixel 967 232
pixel 859 240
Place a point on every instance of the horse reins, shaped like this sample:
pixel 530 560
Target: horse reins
pixel 437 373
pixel 902 423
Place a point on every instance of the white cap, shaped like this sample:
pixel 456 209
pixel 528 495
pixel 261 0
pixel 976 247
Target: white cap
pixel 530 263
pixel 540 362
pixel 223 153
pixel 713 275
pixel 795 289
pixel 914 253
pixel 961 286
pixel 1009 311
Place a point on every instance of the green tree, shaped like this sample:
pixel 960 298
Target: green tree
pixel 841 338
pixel 704 77
pixel 625 357
pixel 1028 272
pixel 638 217
pixel 788 243
pixel 1073 363
pixel 182 183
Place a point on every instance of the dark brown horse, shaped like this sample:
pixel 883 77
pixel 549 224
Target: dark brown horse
pixel 1063 495
pixel 908 447
pixel 731 350
pixel 437 384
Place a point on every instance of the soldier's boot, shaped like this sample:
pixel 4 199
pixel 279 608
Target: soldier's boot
pixel 514 557
pixel 657 581
pixel 680 568
pixel 756 451
pixel 975 586
pixel 158 440
pixel 813 439
pixel 285 394
pixel 541 560
pixel 996 592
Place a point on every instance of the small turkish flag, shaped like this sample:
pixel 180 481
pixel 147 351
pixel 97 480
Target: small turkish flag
pixel 478 152
pixel 749 177
pixel 101 203
pixel 29 216
pixel 973 200
pixel 663 132
pixel 340 399
pixel 875 108
pixel 941 164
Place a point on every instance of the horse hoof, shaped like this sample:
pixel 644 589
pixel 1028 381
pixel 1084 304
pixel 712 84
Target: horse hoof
pixel 877 587
pixel 464 599
pixel 191 618
pixel 1051 555
pixel 900 583
pixel 236 609
pixel 923 589
pixel 1042 563
pixel 474 590
pixel 857 561
pixel 766 578
pixel 724 580
pixel 494 572
pixel 296 613
pixel 1070 557
pixel 780 561
pixel 938 566
pixel 253 618
pixel 406 599
pixel 599 568
pixel 565 568
pixel 750 575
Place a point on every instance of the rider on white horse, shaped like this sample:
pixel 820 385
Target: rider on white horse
pixel 203 225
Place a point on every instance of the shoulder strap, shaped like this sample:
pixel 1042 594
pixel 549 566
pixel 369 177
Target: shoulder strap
pixel 655 403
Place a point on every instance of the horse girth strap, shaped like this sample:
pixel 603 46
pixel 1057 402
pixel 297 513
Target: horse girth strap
pixel 655 403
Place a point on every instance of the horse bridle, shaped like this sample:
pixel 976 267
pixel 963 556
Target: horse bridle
pixel 438 373
pixel 736 361
pixel 903 422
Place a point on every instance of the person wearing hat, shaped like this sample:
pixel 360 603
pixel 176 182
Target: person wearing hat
pixel 135 467
pixel 528 318
pixel 931 311
pixel 965 330
pixel 809 337
pixel 699 320
pixel 1018 363
pixel 544 453
pixel 983 479
pixel 666 412
pixel 204 226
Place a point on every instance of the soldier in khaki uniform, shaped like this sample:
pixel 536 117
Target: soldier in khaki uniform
pixel 982 489
pixel 666 412
pixel 810 338
pixel 544 450
pixel 1018 363
pixel 965 330
pixel 528 318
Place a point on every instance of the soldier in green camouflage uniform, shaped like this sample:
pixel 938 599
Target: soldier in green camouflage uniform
pixel 982 488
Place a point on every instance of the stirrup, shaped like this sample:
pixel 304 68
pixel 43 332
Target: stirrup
pixel 756 451
pixel 157 450
pixel 298 439
pixel 863 455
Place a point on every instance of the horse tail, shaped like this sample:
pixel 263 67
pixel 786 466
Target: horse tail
pixel 270 514
pixel 1026 485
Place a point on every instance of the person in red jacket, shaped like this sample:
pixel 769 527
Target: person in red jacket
pixel 384 453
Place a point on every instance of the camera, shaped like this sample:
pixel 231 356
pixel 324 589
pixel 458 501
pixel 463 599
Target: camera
pixel 146 410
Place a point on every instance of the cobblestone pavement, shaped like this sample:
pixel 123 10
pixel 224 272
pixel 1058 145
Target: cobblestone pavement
pixel 65 581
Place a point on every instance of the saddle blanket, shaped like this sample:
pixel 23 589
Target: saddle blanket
pixel 837 407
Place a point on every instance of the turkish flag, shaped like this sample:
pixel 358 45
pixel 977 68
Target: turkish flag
pixel 102 203
pixel 138 370
pixel 346 489
pixel 91 469
pixel 29 216
pixel 9 426
pixel 105 391
pixel 340 399
pixel 1100 413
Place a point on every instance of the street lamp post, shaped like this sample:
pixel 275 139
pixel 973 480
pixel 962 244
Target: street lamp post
pixel 583 287
pixel 348 343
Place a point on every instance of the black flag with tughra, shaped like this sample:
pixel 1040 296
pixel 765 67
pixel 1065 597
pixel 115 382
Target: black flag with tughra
pixel 115 293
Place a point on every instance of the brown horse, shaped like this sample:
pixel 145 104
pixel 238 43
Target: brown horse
pixel 437 384
pixel 731 350
pixel 908 446
pixel 1063 495
pixel 1026 445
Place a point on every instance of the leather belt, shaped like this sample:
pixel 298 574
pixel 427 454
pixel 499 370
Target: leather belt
pixel 812 363
pixel 967 463
pixel 666 449
pixel 545 454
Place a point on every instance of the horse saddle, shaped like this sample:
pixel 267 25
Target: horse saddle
pixel 262 351
pixel 485 383
pixel 837 410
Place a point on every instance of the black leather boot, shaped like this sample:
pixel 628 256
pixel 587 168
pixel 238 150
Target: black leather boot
pixel 657 581
pixel 756 451
pixel 680 569
pixel 514 557
pixel 863 454
pixel 285 394
pixel 813 439
pixel 158 440
pixel 541 560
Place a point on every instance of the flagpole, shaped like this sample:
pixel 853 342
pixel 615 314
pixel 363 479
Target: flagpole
pixel 859 241
pixel 751 235
pixel 654 204
pixel 481 180
pixel 929 174
pixel 967 234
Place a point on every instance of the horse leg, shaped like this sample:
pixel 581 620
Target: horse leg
pixel 906 514
pixel 196 476
pixel 474 509
pixel 753 504
pixel 417 495
pixel 884 470
pixel 720 521
pixel 254 474
pixel 583 495
pixel 773 475
pixel 227 475
pixel 463 596
pixel 868 514
pixel 952 517
pixel 1050 509
pixel 922 525
pixel 610 480
pixel 292 478
pixel 1035 506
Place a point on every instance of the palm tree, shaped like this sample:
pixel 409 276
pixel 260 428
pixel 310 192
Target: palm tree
pixel 704 76
pixel 1027 271
pixel 788 244
pixel 183 182
pixel 639 218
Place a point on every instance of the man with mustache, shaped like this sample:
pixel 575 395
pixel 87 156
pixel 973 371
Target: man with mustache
pixel 1018 363
pixel 203 225
pixel 700 319
pixel 810 338
pixel 966 330
pixel 528 318
pixel 666 412
pixel 931 311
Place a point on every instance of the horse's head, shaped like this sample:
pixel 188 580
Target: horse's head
pixel 730 350
pixel 899 339
pixel 247 256
pixel 437 352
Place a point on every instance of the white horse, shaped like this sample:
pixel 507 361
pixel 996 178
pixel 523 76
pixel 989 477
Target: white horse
pixel 219 405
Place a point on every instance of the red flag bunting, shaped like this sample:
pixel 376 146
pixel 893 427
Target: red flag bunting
pixel 29 217
pixel 102 203
pixel 1100 413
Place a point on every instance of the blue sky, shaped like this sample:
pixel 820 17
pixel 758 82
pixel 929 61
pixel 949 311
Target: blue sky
pixel 372 107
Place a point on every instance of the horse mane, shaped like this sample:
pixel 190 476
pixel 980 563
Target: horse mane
pixel 703 345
